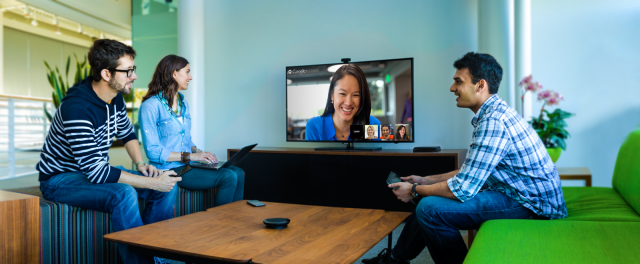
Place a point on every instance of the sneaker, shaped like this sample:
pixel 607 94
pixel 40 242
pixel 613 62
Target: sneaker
pixel 382 259
pixel 159 260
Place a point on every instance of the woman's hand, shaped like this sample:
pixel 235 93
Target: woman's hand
pixel 204 156
pixel 149 170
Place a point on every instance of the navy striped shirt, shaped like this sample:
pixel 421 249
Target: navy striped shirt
pixel 81 134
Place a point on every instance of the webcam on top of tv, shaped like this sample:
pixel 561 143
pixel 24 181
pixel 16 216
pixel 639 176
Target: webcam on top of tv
pixel 345 60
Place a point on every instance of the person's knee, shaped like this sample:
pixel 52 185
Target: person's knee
pixel 428 209
pixel 228 177
pixel 239 172
pixel 123 194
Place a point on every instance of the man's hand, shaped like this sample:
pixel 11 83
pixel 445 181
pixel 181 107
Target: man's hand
pixel 403 192
pixel 414 179
pixel 164 182
pixel 149 170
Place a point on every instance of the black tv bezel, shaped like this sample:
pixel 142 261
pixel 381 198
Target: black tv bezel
pixel 413 126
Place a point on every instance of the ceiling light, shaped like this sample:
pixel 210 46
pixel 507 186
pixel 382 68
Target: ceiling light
pixel 58 31
pixel 34 22
pixel 101 35
pixel 380 83
pixel 27 11
pixel 79 28
pixel 55 20
pixel 334 68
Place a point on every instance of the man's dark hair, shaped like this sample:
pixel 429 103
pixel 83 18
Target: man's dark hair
pixel 104 54
pixel 385 126
pixel 481 66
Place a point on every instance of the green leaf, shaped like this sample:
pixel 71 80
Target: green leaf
pixel 56 101
pixel 58 93
pixel 46 113
pixel 50 81
pixel 62 85
pixel 47 65
pixel 67 68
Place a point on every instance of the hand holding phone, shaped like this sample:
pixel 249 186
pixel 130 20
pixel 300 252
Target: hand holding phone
pixel 393 178
pixel 184 170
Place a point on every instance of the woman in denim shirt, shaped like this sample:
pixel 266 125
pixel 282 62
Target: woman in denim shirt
pixel 166 131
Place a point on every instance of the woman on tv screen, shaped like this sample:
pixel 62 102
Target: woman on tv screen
pixel 348 103
pixel 401 133
pixel 371 132
pixel 166 130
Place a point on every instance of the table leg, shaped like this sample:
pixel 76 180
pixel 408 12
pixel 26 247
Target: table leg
pixel 389 239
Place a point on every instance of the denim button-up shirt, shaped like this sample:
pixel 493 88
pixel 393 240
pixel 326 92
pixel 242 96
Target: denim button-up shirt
pixel 162 132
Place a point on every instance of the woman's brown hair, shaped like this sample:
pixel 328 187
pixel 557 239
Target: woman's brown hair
pixel 163 80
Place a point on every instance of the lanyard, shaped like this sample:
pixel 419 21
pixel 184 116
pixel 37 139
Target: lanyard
pixel 179 107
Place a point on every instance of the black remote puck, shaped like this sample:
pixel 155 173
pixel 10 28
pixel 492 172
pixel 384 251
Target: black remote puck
pixel 276 223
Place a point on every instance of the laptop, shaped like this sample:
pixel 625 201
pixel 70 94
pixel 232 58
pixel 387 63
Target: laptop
pixel 222 164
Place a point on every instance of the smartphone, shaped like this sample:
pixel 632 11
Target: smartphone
pixel 184 170
pixel 255 203
pixel 393 178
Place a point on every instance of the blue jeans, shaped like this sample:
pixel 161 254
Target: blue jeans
pixel 229 181
pixel 436 222
pixel 118 199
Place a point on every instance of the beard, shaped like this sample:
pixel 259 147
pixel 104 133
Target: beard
pixel 120 88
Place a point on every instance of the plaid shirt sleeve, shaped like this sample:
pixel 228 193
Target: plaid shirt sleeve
pixel 489 145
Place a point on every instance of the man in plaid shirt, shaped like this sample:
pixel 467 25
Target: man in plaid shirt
pixel 507 174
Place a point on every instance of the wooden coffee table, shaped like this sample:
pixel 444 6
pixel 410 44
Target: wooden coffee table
pixel 234 233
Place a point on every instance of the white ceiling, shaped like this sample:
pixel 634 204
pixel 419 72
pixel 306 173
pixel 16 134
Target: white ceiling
pixel 110 16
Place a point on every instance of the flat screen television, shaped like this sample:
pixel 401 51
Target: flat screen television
pixel 367 101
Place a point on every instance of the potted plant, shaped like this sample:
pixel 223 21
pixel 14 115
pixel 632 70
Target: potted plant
pixel 550 126
pixel 60 85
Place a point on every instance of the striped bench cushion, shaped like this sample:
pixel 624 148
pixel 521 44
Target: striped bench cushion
pixel 71 234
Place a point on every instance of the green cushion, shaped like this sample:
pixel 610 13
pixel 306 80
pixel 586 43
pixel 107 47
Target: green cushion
pixel 552 241
pixel 626 174
pixel 597 204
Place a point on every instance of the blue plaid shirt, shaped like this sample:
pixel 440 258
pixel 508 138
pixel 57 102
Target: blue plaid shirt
pixel 507 155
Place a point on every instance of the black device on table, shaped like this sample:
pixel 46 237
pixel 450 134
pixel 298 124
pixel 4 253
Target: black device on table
pixel 427 149
pixel 255 203
pixel 222 164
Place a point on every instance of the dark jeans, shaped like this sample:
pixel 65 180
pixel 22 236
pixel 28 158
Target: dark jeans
pixel 436 222
pixel 229 181
pixel 118 199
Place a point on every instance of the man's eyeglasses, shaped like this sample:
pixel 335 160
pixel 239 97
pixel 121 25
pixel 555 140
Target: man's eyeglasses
pixel 128 71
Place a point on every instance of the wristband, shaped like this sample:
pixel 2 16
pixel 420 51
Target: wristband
pixel 140 162
pixel 186 157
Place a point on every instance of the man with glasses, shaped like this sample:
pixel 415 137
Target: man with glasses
pixel 74 162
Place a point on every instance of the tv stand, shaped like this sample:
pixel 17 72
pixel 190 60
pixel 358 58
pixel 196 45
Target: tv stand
pixel 355 179
pixel 349 147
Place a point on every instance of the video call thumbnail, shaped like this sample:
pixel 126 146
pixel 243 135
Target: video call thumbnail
pixel 361 101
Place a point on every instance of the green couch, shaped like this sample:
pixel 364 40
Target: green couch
pixel 603 225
